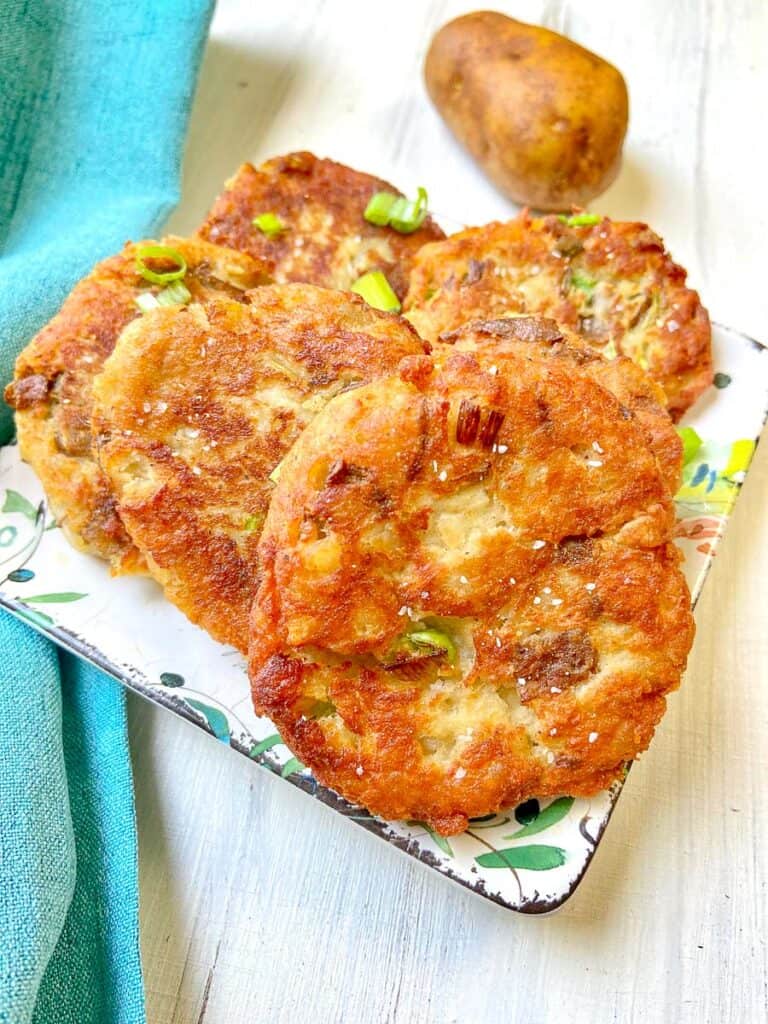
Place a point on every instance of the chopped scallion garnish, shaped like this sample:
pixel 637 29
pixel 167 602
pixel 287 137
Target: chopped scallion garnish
pixel 435 642
pixel 269 224
pixel 379 208
pixel 583 282
pixel 320 709
pixel 176 294
pixel 146 301
pixel 167 255
pixel 274 476
pixel 580 220
pixel 401 214
pixel 691 443
pixel 377 291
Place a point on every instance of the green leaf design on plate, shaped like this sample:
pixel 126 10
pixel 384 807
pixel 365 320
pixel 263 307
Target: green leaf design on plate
pixel 15 502
pixel 216 719
pixel 530 858
pixel 292 766
pixel 39 618
pixel 489 821
pixel 551 814
pixel 266 744
pixel 527 812
pixel 63 598
pixel 691 443
pixel 740 457
pixel 441 841
pixel 171 679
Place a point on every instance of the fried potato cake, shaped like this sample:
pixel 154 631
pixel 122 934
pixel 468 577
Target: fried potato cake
pixel 51 390
pixel 196 407
pixel 326 240
pixel 639 395
pixel 468 592
pixel 611 283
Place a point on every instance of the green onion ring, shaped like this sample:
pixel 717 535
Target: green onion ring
pixel 160 252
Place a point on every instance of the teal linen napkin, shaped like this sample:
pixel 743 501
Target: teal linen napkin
pixel 94 103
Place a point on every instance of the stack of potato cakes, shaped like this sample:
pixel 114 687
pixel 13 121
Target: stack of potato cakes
pixel 443 538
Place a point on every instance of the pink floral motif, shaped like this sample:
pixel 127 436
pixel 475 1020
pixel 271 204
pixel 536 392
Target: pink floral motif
pixel 702 529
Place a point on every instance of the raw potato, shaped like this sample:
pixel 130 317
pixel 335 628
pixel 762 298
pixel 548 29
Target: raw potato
pixel 543 117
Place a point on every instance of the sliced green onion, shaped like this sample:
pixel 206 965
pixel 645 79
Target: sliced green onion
pixel 408 215
pixel 580 220
pixel 160 252
pixel 146 301
pixel 377 291
pixel 319 709
pixel 691 443
pixel 252 523
pixel 583 282
pixel 176 294
pixel 379 208
pixel 436 642
pixel 274 476
pixel 269 224
pixel 401 214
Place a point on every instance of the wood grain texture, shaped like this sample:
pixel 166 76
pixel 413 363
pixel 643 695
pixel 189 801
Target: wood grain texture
pixel 258 904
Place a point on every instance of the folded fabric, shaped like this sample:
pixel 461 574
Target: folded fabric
pixel 94 103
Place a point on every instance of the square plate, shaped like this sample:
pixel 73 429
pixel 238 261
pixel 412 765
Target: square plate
pixel 529 858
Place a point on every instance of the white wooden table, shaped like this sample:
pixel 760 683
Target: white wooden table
pixel 258 904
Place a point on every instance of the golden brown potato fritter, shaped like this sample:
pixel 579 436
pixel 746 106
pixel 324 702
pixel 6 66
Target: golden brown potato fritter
pixel 611 283
pixel 195 409
pixel 638 394
pixel 51 392
pixel 326 240
pixel 468 594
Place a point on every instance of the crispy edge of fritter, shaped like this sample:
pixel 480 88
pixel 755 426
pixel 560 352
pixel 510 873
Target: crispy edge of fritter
pixel 301 184
pixel 284 677
pixel 641 396
pixel 679 355
pixel 207 572
pixel 71 349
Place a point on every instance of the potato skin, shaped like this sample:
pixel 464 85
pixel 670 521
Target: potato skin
pixel 543 117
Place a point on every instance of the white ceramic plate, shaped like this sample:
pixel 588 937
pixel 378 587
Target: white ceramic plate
pixel 529 858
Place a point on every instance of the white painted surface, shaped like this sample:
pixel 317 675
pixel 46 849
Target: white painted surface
pixel 258 904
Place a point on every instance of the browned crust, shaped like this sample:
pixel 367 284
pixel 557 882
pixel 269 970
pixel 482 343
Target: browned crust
pixel 327 241
pixel 640 306
pixel 541 338
pixel 195 408
pixel 535 552
pixel 51 390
